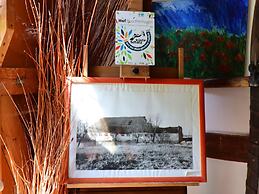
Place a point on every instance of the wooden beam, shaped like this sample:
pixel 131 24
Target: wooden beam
pixel 227 147
pixel 7 21
pixel 15 79
pixel 5 44
pixel 231 82
pixel 23 40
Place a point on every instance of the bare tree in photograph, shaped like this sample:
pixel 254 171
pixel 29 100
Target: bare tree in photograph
pixel 81 132
pixel 136 137
pixel 155 126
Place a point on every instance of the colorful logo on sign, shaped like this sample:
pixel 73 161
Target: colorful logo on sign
pixel 134 38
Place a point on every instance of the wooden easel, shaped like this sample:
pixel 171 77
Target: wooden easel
pixel 180 63
pixel 132 71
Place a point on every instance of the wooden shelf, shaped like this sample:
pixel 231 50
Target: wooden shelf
pixel 18 80
pixel 223 83
pixel 11 78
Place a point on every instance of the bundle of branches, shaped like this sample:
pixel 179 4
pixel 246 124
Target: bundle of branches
pixel 62 28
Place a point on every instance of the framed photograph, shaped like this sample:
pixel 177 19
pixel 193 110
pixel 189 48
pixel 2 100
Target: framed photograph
pixel 137 131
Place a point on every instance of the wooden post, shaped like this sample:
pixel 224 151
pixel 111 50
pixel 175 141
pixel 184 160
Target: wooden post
pixel 181 63
pixel 252 182
pixel 85 61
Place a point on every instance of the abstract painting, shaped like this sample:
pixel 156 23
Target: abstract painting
pixel 212 33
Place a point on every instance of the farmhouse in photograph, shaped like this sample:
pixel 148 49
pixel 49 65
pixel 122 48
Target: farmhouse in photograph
pixel 130 129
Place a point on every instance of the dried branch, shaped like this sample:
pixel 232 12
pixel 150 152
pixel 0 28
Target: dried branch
pixel 62 27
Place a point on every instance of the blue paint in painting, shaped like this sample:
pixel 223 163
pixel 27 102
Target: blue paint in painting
pixel 226 15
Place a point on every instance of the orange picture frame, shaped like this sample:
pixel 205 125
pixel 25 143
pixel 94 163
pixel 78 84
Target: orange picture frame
pixel 79 154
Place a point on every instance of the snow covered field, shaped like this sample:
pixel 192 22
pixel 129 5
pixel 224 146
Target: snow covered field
pixel 134 156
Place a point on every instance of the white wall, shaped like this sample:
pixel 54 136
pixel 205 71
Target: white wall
pixel 223 178
pixel 227 111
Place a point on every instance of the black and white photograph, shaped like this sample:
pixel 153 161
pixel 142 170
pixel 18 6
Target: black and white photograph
pixel 135 130
pixel 139 144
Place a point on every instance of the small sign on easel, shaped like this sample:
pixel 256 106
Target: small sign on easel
pixel 135 43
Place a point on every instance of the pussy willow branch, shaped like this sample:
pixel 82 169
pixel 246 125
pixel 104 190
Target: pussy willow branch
pixel 91 22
